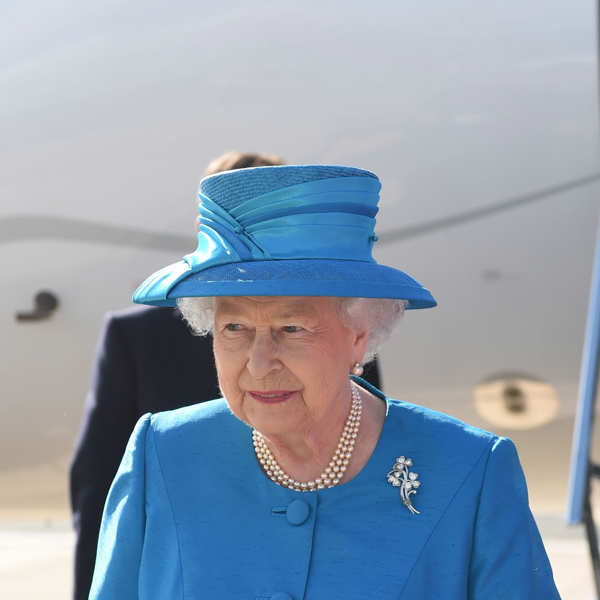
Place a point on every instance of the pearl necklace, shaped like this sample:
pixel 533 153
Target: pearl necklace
pixel 333 473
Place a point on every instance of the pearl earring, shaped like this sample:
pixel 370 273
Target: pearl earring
pixel 357 369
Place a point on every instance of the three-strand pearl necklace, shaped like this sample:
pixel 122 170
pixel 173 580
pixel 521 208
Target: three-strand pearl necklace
pixel 333 473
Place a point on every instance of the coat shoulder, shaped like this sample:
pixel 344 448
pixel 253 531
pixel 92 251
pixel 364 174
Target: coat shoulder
pixel 205 414
pixel 447 431
pixel 206 425
pixel 139 316
pixel 160 330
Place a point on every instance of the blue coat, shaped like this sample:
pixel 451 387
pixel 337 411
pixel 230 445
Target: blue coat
pixel 191 515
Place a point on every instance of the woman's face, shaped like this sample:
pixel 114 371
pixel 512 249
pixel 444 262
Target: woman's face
pixel 283 362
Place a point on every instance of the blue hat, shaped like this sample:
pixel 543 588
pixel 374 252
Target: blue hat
pixel 304 230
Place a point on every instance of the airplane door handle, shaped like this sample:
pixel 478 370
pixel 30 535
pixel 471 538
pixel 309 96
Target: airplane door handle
pixel 44 304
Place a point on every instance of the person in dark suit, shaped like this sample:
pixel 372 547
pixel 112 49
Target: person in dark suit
pixel 147 361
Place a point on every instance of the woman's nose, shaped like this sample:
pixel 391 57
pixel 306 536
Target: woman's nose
pixel 262 358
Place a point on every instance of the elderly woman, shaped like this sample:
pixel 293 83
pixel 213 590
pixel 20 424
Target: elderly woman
pixel 303 481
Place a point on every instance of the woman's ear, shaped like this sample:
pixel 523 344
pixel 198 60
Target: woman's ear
pixel 361 341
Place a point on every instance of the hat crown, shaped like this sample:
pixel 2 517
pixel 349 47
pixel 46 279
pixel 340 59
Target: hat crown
pixel 232 188
pixel 286 212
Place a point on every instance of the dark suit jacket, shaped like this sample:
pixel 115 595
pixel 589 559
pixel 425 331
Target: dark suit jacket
pixel 147 361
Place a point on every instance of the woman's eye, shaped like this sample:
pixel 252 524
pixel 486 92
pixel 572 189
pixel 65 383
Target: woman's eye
pixel 291 328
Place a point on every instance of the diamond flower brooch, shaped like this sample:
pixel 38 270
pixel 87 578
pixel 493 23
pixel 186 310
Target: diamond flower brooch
pixel 407 481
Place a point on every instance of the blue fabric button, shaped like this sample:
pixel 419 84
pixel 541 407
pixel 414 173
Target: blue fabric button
pixel 281 596
pixel 297 512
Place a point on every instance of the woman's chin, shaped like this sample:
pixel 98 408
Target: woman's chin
pixel 271 418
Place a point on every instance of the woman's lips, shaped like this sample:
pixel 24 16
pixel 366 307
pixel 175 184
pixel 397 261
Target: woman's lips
pixel 272 396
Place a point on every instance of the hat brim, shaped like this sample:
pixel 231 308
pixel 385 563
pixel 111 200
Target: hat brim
pixel 300 277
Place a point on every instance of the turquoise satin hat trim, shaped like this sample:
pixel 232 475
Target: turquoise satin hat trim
pixel 310 233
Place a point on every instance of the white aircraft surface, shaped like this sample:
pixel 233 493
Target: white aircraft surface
pixel 110 112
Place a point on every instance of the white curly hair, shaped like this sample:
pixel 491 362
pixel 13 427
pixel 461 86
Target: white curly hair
pixel 378 316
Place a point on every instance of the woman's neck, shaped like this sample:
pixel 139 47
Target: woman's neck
pixel 304 455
